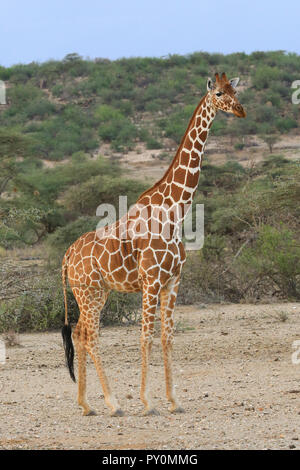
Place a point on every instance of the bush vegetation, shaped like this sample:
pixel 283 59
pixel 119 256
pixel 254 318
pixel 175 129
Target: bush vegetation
pixel 64 110
pixel 251 249
pixel 74 104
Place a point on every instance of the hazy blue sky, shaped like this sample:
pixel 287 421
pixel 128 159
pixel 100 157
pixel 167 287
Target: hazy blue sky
pixel 35 30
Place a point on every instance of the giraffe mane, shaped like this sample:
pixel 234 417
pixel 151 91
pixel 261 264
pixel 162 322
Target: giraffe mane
pixel 148 191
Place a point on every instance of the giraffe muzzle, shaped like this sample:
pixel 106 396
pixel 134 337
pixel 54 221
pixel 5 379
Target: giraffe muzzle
pixel 239 111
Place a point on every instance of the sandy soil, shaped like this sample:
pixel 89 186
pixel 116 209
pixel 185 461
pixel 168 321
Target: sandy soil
pixel 144 164
pixel 234 374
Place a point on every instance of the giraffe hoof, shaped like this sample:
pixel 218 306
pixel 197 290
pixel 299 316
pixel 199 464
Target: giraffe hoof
pixel 117 412
pixel 151 412
pixel 90 413
pixel 177 409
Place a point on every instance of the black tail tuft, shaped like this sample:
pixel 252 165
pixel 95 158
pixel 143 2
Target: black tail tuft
pixel 69 349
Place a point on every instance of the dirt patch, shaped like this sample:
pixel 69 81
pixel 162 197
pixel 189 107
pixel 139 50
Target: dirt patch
pixel 233 370
pixel 144 164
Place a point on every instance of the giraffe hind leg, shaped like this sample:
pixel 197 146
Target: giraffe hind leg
pixel 168 299
pixel 150 299
pixel 91 302
pixel 81 397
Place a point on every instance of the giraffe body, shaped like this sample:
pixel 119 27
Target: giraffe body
pixel 142 251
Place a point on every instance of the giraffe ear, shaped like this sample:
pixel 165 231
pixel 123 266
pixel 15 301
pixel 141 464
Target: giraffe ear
pixel 210 84
pixel 234 81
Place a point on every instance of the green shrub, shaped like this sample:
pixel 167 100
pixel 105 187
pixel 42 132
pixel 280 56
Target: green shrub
pixel 264 75
pixel 86 197
pixel 276 256
pixel 152 143
pixel 286 124
pixel 115 128
pixel 176 123
pixel 51 182
pixel 264 113
pixel 63 237
pixel 239 145
pixel 273 97
pixel 41 307
pixel 202 279
pixel 275 161
pixel 220 126
pixel 106 113
pixel 121 308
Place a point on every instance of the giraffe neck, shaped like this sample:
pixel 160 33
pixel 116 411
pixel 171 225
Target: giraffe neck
pixel 181 180
pixel 179 183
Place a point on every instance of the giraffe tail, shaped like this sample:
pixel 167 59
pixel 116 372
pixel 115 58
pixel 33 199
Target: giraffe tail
pixel 67 330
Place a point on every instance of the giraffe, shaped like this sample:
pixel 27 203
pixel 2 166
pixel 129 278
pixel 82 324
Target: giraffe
pixel 142 251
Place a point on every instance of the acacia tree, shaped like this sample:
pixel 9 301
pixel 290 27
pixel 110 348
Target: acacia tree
pixel 270 140
pixel 18 216
pixel 13 146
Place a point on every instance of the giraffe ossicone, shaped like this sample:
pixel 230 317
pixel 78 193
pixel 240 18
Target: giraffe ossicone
pixel 131 255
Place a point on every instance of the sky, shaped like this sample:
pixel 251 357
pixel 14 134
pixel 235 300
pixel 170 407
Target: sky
pixel 35 30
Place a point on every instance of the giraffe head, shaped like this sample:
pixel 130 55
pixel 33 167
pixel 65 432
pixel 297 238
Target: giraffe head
pixel 222 94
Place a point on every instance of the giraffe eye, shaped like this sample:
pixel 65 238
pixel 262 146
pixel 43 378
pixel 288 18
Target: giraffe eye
pixel 219 93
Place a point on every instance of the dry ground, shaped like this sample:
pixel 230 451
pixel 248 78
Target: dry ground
pixel 234 375
pixel 144 164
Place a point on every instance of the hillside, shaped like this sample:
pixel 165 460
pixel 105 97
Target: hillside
pixel 77 133
pixel 83 104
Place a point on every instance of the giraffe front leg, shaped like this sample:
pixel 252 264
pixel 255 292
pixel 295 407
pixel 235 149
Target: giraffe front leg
pixel 150 299
pixel 168 299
